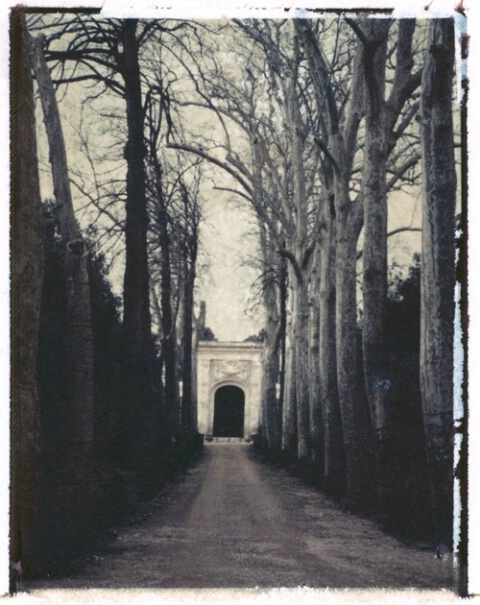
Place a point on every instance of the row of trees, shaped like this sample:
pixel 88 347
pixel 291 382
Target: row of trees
pixel 314 124
pixel 325 122
pixel 98 420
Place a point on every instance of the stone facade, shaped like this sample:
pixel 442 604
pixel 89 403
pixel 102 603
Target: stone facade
pixel 229 363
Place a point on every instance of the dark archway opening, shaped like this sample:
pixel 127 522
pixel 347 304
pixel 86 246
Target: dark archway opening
pixel 229 415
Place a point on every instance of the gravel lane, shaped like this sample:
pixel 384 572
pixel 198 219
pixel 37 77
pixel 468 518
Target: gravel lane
pixel 233 522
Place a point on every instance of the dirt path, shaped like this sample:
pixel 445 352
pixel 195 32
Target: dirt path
pixel 236 523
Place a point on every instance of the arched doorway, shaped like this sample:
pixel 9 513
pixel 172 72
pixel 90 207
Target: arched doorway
pixel 229 413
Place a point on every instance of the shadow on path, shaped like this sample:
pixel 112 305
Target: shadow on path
pixel 235 523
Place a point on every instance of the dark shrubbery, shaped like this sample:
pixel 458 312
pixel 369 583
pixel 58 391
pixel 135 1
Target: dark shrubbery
pixel 409 506
pixel 79 505
pixel 404 508
pixel 53 345
pixel 74 503
pixel 207 335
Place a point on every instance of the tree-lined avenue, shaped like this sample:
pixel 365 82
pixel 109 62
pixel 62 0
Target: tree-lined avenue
pixel 234 522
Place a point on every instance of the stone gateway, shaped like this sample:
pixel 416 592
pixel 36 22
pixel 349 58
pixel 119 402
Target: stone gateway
pixel 229 378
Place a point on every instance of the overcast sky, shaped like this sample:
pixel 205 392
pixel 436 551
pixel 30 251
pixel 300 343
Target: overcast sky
pixel 228 284
pixel 228 241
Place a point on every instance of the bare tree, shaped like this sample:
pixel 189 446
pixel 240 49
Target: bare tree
pixel 341 134
pixel 273 275
pixel 340 150
pixel 316 411
pixel 167 313
pixel 174 242
pixel 173 191
pixel 299 222
pixel 333 450
pixel 191 217
pixel 437 278
pixel 381 115
pixel 198 330
pixel 234 106
pixel 80 339
pixel 109 54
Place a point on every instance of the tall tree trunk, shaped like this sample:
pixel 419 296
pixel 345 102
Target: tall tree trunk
pixel 137 352
pixel 349 394
pixel 334 451
pixel 437 278
pixel 272 305
pixel 271 346
pixel 269 395
pixel 136 319
pixel 302 373
pixel 168 322
pixel 282 304
pixel 27 279
pixel 374 189
pixel 299 273
pixel 199 323
pixel 80 338
pixel 316 416
pixel 289 411
pixel 187 376
pixel 342 144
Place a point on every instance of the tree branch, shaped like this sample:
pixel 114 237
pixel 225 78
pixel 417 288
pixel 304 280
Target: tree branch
pixel 215 161
pixel 248 198
pixel 321 145
pixel 402 170
pixel 359 31
pixel 391 233
pixel 291 257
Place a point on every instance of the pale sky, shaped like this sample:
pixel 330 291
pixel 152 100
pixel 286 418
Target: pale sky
pixel 228 232
pixel 227 285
